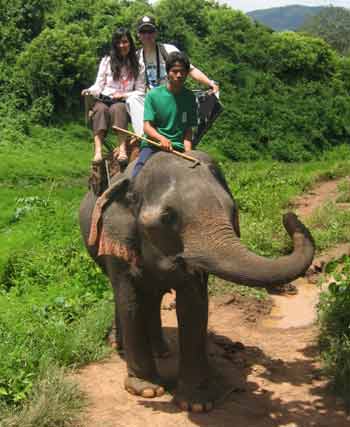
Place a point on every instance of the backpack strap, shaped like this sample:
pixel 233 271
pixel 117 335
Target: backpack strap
pixel 163 51
pixel 160 50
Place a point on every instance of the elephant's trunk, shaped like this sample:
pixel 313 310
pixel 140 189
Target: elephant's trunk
pixel 229 259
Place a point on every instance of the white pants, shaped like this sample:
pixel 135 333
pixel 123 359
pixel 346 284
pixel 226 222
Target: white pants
pixel 134 106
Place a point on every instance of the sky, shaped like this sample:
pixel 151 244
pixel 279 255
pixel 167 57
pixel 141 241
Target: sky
pixel 248 5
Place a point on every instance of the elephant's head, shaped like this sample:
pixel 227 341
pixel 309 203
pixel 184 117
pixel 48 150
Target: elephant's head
pixel 177 218
pixel 186 218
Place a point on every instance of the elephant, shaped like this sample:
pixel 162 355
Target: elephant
pixel 168 229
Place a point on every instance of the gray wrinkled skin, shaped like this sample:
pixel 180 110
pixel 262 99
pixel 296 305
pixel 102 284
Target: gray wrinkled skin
pixel 183 223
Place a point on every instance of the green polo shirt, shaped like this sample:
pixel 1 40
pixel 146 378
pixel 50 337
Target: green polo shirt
pixel 170 114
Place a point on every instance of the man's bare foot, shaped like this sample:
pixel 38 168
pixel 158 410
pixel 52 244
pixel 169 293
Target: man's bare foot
pixel 97 157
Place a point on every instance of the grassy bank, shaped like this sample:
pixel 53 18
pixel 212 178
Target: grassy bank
pixel 55 305
pixel 334 321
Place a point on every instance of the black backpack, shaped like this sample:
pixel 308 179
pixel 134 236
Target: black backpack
pixel 208 110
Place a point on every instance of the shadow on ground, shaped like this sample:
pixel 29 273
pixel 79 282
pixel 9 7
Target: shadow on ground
pixel 249 383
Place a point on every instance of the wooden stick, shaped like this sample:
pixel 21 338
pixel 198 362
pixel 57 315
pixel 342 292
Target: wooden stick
pixel 156 144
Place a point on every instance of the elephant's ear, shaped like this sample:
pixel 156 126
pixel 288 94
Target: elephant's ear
pixel 117 189
pixel 113 226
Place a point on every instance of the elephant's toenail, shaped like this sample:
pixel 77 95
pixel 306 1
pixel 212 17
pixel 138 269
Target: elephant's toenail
pixel 197 407
pixel 148 392
pixel 160 391
pixel 131 390
pixel 183 406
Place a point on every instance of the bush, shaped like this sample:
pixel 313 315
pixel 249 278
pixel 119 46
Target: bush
pixel 55 67
pixel 14 124
pixel 334 321
pixel 289 149
pixel 55 303
pixel 294 56
pixel 239 147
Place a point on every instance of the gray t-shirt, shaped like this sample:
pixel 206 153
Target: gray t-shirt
pixel 150 63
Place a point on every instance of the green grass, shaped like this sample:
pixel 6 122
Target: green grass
pixel 344 191
pixel 54 401
pixel 264 190
pixel 48 155
pixel 217 286
pixel 330 226
pixel 55 304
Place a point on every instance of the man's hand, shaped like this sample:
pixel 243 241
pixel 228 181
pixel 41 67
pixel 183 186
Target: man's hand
pixel 165 143
pixel 187 145
pixel 85 92
pixel 214 87
pixel 188 139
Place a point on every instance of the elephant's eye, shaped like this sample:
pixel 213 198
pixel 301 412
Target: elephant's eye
pixel 169 216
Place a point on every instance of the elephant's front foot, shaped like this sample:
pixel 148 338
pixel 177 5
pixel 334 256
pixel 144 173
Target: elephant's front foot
pixel 196 398
pixel 140 387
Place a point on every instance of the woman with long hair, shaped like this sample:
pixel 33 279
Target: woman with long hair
pixel 119 77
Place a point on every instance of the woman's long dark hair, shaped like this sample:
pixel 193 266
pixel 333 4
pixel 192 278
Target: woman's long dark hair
pixel 117 61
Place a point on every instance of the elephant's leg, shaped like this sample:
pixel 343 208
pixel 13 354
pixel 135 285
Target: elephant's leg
pixel 193 390
pixel 142 376
pixel 159 344
pixel 115 336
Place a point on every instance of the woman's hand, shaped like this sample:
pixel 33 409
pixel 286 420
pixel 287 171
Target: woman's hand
pixel 85 92
pixel 118 95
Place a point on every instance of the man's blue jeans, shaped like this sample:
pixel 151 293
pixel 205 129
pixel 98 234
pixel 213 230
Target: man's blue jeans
pixel 144 155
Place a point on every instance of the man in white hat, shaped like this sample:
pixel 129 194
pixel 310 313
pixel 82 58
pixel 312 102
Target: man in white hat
pixel 153 56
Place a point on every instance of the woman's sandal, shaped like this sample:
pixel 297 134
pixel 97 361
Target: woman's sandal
pixel 122 157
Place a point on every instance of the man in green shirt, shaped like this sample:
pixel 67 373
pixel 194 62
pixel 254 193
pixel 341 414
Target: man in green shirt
pixel 170 112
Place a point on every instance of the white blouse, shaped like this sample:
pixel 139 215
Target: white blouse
pixel 106 85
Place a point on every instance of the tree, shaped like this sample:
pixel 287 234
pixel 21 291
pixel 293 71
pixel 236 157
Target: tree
pixel 56 65
pixel 292 56
pixel 20 22
pixel 333 25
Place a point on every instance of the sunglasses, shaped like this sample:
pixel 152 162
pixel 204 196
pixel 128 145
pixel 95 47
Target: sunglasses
pixel 147 31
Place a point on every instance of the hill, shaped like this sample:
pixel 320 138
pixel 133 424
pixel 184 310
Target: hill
pixel 285 18
pixel 333 25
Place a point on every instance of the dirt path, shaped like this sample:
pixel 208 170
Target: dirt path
pixel 324 192
pixel 265 365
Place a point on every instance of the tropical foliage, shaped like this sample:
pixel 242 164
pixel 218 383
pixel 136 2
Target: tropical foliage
pixel 286 99
pixel 282 92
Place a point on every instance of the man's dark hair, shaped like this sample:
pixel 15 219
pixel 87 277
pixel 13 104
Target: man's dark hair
pixel 175 57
